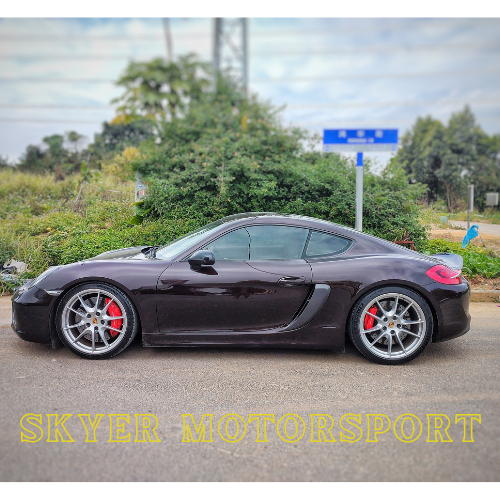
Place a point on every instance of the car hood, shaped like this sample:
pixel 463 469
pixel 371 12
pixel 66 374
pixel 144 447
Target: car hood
pixel 129 253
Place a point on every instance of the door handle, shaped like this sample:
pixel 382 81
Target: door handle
pixel 292 280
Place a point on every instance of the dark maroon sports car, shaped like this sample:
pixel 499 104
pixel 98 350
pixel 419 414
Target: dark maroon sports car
pixel 253 280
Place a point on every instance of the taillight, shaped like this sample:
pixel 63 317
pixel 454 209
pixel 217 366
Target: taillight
pixel 445 275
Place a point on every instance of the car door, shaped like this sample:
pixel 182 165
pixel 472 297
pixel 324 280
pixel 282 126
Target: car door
pixel 237 293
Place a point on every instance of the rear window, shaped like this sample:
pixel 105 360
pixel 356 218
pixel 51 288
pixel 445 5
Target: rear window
pixel 325 245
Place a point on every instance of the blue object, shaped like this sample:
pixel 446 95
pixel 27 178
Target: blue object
pixel 360 140
pixel 472 233
pixel 359 160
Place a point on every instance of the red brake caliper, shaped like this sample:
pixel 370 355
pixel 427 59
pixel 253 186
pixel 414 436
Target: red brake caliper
pixel 369 320
pixel 114 310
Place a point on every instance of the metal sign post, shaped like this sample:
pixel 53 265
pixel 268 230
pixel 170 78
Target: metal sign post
pixel 359 192
pixel 359 140
pixel 470 202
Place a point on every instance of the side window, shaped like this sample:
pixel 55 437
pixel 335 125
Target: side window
pixel 325 245
pixel 276 242
pixel 231 246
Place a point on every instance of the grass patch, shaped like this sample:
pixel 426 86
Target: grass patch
pixel 434 214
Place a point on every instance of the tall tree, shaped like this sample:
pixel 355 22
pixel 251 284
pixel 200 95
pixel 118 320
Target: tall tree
pixel 460 156
pixel 32 159
pixel 161 90
pixel 421 154
pixel 74 139
pixel 446 158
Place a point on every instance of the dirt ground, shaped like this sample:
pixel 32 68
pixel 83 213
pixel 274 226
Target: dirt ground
pixel 479 283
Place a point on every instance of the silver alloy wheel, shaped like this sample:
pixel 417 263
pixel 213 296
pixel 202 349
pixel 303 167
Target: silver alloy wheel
pixel 86 324
pixel 398 328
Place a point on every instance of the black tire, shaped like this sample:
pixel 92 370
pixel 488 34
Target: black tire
pixel 84 347
pixel 401 337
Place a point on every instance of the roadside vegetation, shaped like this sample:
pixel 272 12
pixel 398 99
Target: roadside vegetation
pixel 478 260
pixel 448 157
pixel 436 214
pixel 203 155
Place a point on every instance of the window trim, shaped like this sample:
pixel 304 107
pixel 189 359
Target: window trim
pixel 330 256
pixel 185 259
pixel 302 257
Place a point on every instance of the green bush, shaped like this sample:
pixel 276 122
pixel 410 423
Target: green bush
pixel 324 189
pixel 228 155
pixel 84 241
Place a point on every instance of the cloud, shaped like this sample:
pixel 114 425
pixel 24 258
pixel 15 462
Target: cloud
pixel 414 67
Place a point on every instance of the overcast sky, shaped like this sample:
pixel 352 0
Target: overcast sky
pixel 57 74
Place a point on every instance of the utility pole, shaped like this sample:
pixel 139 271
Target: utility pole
pixel 230 51
pixel 470 203
pixel 168 39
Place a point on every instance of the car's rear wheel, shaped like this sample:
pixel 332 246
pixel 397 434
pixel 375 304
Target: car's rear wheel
pixel 96 321
pixel 391 325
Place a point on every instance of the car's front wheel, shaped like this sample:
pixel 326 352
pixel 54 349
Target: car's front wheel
pixel 96 321
pixel 391 325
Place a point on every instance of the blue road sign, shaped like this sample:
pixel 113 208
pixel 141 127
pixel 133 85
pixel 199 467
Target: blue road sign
pixel 360 140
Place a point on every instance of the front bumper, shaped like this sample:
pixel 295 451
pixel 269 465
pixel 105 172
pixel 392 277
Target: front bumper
pixel 31 309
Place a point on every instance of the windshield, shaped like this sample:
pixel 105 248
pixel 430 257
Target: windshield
pixel 176 247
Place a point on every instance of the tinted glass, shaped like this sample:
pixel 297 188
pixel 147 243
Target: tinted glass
pixel 276 242
pixel 324 244
pixel 231 246
pixel 181 244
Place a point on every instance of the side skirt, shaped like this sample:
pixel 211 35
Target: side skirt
pixel 292 335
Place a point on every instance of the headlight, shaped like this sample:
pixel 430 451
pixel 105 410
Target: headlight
pixel 42 276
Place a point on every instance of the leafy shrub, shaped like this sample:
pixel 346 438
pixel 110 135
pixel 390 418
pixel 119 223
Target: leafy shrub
pixel 482 265
pixel 230 155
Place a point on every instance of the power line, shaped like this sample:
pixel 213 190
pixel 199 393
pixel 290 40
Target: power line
pixel 288 106
pixel 391 103
pixel 90 38
pixel 54 80
pixel 375 76
pixel 30 120
pixel 364 49
pixel 359 50
pixel 339 122
pixel 57 106
pixel 374 123
pixel 63 57
pixel 332 31
pixel 387 76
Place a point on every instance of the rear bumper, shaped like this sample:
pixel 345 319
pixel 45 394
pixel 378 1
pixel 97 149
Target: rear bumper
pixel 31 315
pixel 452 310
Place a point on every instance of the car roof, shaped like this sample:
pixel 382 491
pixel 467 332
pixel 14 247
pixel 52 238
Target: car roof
pixel 313 222
pixel 276 216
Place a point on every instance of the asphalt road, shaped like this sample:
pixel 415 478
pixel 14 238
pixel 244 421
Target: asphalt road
pixel 489 229
pixel 460 376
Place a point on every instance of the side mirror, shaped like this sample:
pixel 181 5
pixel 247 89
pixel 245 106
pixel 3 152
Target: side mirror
pixel 201 258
